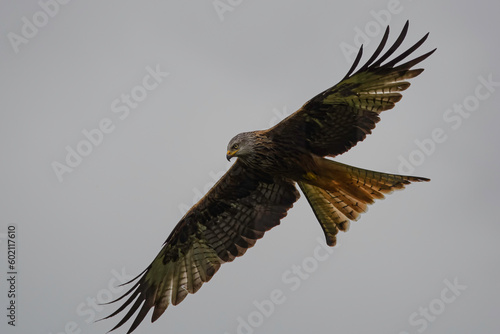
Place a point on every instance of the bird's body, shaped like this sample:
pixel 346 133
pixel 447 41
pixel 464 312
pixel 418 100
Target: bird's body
pixel 264 152
pixel 260 187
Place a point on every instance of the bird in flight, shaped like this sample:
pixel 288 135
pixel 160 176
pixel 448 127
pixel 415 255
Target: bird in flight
pixel 260 187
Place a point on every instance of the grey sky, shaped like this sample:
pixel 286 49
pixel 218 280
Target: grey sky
pixel 424 260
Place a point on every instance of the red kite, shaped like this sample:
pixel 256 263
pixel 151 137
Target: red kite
pixel 258 190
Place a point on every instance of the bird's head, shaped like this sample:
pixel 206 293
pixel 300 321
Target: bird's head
pixel 241 145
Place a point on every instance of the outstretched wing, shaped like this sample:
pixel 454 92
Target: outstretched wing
pixel 338 118
pixel 221 226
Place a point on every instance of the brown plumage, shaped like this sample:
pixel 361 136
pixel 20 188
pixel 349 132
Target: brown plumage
pixel 258 190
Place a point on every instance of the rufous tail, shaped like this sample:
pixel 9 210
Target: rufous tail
pixel 339 193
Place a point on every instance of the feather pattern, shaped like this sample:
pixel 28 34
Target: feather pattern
pixel 338 118
pixel 228 220
pixel 341 193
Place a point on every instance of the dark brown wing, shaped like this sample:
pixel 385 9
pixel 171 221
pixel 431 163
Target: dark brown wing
pixel 221 226
pixel 338 118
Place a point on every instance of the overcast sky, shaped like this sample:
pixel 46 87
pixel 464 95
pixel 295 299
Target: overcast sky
pixel 115 117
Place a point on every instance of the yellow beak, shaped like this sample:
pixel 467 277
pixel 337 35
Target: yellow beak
pixel 230 154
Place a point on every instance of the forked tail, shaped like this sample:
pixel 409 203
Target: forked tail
pixel 339 193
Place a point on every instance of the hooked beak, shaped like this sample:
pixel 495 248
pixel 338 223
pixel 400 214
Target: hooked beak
pixel 230 154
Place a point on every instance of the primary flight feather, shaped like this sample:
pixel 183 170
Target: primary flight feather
pixel 259 188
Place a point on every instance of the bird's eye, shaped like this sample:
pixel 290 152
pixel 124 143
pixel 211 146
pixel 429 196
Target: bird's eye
pixel 235 146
